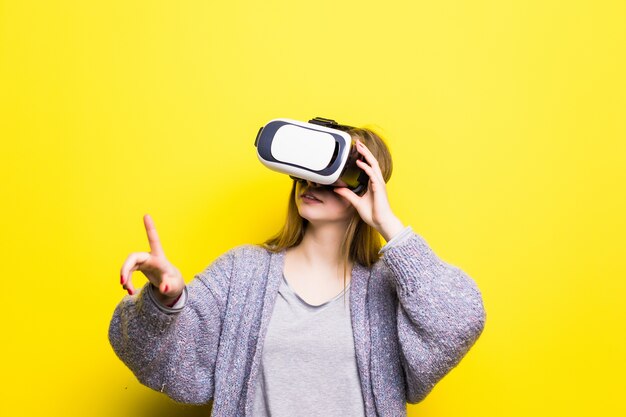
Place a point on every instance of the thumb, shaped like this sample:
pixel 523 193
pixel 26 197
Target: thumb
pixel 171 282
pixel 348 195
pixel 164 287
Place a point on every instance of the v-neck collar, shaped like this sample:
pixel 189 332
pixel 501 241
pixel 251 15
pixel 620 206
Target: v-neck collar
pixel 313 306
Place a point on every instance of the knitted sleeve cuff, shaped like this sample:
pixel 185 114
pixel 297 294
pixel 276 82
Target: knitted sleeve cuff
pixel 147 310
pixel 397 240
pixel 177 307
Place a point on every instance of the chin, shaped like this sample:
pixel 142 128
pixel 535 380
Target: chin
pixel 314 213
pixel 322 219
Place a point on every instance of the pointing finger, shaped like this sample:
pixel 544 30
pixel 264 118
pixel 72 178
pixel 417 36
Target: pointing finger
pixel 153 237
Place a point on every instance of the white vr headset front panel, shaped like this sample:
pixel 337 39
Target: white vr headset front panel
pixel 303 150
pixel 308 148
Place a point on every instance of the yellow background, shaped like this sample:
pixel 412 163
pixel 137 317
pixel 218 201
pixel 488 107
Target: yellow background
pixel 507 122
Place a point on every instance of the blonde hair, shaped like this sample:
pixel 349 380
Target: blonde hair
pixel 361 242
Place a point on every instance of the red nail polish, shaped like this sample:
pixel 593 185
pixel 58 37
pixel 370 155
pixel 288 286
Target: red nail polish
pixel 166 288
pixel 122 279
pixel 129 292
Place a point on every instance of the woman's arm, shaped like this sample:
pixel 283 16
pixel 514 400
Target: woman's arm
pixel 175 352
pixel 440 314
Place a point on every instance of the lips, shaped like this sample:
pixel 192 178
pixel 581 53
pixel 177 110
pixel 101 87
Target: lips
pixel 311 195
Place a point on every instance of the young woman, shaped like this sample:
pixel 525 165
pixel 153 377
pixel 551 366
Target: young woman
pixel 263 330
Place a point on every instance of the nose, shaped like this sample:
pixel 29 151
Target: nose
pixel 312 184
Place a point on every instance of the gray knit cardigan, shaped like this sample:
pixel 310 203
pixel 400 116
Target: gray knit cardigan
pixel 414 318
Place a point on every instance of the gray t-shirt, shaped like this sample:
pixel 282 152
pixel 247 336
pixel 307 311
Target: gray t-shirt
pixel 308 363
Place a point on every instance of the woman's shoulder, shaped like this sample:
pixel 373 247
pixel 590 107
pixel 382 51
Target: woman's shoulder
pixel 248 253
pixel 379 268
pixel 243 259
pixel 248 249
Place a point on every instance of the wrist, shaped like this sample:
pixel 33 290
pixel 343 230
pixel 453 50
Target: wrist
pixel 166 300
pixel 390 228
pixel 174 301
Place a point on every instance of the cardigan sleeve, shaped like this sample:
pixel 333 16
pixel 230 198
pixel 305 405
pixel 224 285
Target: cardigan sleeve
pixel 440 314
pixel 397 240
pixel 175 351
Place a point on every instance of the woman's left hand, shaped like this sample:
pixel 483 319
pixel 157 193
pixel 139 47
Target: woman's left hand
pixel 373 206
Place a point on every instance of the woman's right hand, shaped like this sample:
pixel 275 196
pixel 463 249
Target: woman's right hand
pixel 155 266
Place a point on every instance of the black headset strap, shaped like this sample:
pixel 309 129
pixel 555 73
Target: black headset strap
pixel 321 121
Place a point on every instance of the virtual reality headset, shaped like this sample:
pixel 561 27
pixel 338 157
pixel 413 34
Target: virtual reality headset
pixel 320 151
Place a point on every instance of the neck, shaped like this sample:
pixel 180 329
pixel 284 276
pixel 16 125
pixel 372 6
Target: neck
pixel 321 244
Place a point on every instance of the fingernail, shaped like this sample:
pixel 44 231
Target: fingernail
pixel 122 279
pixel 129 291
pixel 166 288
